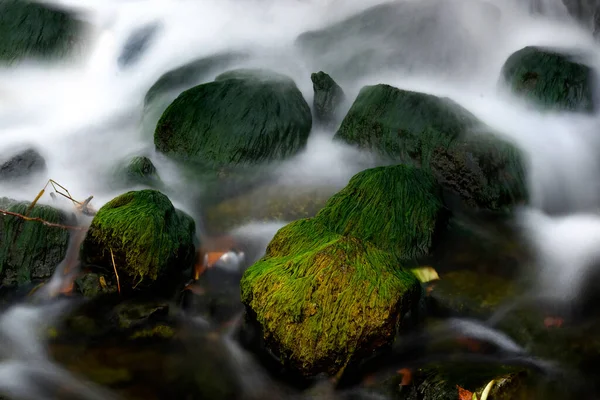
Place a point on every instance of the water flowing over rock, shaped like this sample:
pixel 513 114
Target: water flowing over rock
pixel 243 117
pixel 32 30
pixel 553 79
pixel 22 165
pixel 137 43
pixel 328 97
pixel 138 171
pixel 441 136
pixel 151 241
pixel 414 36
pixel 29 249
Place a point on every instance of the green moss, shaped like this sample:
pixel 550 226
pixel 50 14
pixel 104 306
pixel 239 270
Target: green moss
pixel 328 97
pixel 139 170
pixel 551 79
pixel 440 136
pixel 30 249
pixel 29 29
pixel 243 117
pixel 159 331
pixel 395 208
pixel 148 236
pixel 323 298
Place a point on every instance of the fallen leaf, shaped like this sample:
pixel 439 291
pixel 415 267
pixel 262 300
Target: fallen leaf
pixel 425 274
pixel 464 394
pixel 550 322
pixel 406 376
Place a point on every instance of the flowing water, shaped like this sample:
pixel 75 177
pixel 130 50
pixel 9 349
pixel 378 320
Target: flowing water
pixel 86 114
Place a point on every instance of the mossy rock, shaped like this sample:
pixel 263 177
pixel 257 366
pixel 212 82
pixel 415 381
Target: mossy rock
pixel 324 299
pixel 29 249
pixel 397 36
pixel 437 134
pixel 243 117
pixel 266 203
pixel 398 209
pixel 151 241
pixel 328 97
pixel 554 79
pixel 32 30
pixel 138 170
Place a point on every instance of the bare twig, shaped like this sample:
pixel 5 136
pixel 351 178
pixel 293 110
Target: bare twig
pixel 112 256
pixel 42 221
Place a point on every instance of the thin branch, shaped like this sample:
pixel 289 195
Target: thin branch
pixel 115 268
pixel 42 221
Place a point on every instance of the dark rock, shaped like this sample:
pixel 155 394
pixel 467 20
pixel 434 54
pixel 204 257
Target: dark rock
pixel 243 117
pixel 328 97
pixel 466 157
pixel 137 43
pixel 138 171
pixel 552 79
pixel 22 165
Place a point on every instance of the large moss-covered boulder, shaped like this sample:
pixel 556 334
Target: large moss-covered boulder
pixel 243 117
pixel 324 299
pixel 439 135
pixel 551 78
pixel 30 249
pixel 151 241
pixel 411 36
pixel 34 30
pixel 397 208
pixel 328 97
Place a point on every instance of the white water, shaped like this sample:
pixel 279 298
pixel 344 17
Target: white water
pixel 84 116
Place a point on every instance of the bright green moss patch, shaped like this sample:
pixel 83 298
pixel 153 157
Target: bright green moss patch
pixel 147 235
pixel 30 249
pixel 551 79
pixel 33 30
pixel 396 208
pixel 323 298
pixel 439 136
pixel 243 117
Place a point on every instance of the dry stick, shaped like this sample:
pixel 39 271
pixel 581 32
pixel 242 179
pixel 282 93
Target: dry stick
pixel 76 228
pixel 115 268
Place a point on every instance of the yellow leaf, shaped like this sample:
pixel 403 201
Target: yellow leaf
pixel 487 390
pixel 425 274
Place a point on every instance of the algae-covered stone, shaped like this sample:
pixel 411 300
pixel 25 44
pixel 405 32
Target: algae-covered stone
pixel 138 171
pixel 551 78
pixel 328 97
pixel 33 30
pixel 29 249
pixel 269 202
pixel 150 239
pixel 324 299
pixel 398 209
pixel 437 134
pixel 243 117
pixel 412 36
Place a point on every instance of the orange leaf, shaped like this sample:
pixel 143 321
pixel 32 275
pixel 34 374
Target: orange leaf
pixel 464 394
pixel 406 376
pixel 553 322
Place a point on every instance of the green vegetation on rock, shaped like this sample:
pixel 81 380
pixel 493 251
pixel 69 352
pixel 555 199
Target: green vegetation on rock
pixel 139 170
pixel 323 299
pixel 32 30
pixel 29 249
pixel 551 79
pixel 243 117
pixel 396 208
pixel 440 136
pixel 149 238
pixel 328 97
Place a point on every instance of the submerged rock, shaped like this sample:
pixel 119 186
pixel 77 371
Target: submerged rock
pixel 151 241
pixel 553 79
pixel 440 136
pixel 422 36
pixel 243 117
pixel 33 30
pixel 313 281
pixel 328 97
pixel 398 209
pixel 137 43
pixel 22 165
pixel 29 249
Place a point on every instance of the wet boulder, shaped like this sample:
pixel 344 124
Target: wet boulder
pixel 328 98
pixel 150 240
pixel 137 43
pixel 242 117
pixel 34 30
pixel 22 165
pixel 31 250
pixel 467 158
pixel 398 209
pixel 313 281
pixel 551 78
pixel 424 37
pixel 138 170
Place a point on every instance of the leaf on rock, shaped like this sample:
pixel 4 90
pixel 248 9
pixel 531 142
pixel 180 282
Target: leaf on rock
pixel 425 274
